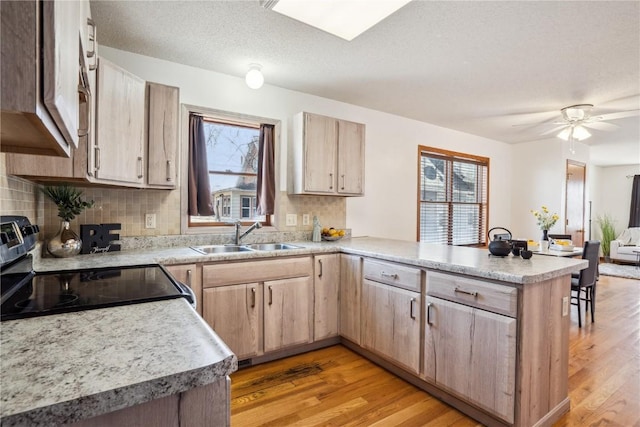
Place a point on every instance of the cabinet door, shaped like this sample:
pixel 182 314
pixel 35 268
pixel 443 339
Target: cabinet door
pixel 189 274
pixel 120 124
pixel 162 109
pixel 350 158
pixel 61 36
pixel 233 312
pixel 326 288
pixel 320 134
pixel 288 313
pixel 472 353
pixel 350 293
pixel 391 323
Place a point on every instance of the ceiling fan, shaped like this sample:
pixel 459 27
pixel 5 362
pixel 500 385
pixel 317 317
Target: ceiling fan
pixel 575 120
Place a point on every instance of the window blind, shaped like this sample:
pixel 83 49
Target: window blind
pixel 453 199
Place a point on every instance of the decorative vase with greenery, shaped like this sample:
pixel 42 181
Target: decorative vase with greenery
pixel 69 202
pixel 608 233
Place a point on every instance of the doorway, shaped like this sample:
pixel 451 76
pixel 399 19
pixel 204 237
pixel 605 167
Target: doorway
pixel 575 202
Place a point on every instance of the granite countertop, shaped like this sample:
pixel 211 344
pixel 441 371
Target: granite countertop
pixel 57 369
pixel 454 259
pixel 62 368
pixel 465 260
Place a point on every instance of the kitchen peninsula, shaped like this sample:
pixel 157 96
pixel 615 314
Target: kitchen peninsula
pixel 503 322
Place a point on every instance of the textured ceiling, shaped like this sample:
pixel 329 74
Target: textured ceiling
pixel 476 66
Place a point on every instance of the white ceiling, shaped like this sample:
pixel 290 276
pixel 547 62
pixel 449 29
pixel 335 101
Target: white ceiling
pixel 475 66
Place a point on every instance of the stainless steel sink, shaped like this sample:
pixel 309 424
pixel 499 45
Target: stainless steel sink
pixel 271 246
pixel 219 249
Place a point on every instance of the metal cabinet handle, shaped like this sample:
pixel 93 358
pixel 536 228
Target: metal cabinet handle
pixel 140 166
pixel 330 181
pixel 97 157
pixel 320 263
pixel 411 305
pixel 189 278
pixel 87 98
pixel 462 291
pixel 92 38
pixel 253 297
pixel 429 313
pixel 390 276
pixel 270 295
pixel 343 182
pixel 169 174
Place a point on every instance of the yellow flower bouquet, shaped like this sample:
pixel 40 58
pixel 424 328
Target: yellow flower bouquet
pixel 546 220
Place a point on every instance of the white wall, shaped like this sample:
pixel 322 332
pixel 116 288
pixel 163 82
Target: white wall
pixel 389 206
pixel 612 195
pixel 539 179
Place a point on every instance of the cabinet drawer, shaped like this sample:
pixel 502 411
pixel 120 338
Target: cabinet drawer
pixel 255 271
pixel 472 292
pixel 392 274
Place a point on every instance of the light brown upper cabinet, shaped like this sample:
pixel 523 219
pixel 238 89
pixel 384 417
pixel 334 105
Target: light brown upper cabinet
pixel 87 163
pixel 120 126
pixel 40 101
pixel 162 110
pixel 327 156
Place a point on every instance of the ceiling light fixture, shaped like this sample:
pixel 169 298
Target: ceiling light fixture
pixel 346 19
pixel 254 77
pixel 572 134
pixel 576 132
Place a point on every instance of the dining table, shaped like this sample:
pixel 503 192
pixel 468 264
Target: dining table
pixel 576 252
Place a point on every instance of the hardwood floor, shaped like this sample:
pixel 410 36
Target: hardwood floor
pixel 336 387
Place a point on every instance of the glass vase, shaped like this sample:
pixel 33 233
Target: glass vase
pixel 64 244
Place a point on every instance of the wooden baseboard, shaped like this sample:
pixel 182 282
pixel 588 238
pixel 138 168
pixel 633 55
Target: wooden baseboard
pixel 288 352
pixel 555 414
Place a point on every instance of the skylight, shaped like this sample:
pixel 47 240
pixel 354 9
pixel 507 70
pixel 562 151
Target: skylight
pixel 343 18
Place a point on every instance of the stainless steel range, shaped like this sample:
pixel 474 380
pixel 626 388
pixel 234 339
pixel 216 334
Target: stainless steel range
pixel 26 293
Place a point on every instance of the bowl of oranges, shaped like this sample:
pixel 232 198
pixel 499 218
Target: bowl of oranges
pixel 331 234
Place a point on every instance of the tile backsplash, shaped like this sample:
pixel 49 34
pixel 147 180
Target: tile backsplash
pixel 19 196
pixel 125 206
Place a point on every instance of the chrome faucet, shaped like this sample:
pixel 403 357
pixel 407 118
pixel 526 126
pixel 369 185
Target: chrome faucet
pixel 239 236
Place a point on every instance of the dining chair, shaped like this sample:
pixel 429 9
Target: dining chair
pixel 586 280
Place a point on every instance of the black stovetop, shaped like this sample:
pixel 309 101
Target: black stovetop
pixel 29 294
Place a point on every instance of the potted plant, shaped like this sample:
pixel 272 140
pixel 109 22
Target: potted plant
pixel 607 232
pixel 70 203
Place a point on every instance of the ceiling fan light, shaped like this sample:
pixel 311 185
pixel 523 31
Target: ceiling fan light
pixel 580 133
pixel 254 77
pixel 565 133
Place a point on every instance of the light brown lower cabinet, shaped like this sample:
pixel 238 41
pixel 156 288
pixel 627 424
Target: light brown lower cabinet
pixel 471 353
pixel 391 323
pixel 288 313
pixel 326 285
pixel 349 298
pixel 235 313
pixel 257 307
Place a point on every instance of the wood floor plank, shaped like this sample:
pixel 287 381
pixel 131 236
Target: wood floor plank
pixel 324 418
pixel 337 387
